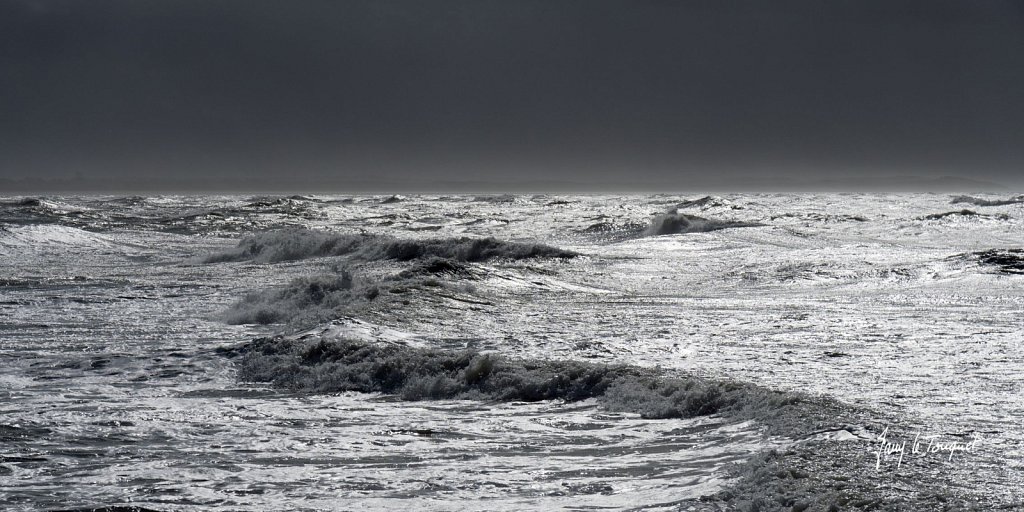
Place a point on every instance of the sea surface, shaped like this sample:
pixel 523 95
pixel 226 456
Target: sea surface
pixel 129 375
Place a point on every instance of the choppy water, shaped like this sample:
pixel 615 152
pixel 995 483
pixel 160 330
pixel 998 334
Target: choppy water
pixel 113 392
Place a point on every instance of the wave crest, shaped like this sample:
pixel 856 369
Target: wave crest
pixel 322 365
pixel 964 214
pixel 976 201
pixel 311 300
pixel 289 245
pixel 673 223
pixel 300 243
pixel 708 202
pixel 305 300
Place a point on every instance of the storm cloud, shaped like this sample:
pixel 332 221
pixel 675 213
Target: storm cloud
pixel 229 92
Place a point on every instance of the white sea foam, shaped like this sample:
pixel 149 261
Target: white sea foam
pixel 50 237
pixel 118 388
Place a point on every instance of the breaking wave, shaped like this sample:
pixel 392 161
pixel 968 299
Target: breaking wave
pixel 803 476
pixel 289 245
pixel 299 244
pixel 314 364
pixel 311 300
pixel 673 223
pixel 986 202
pixel 670 223
pixel 458 249
pixel 305 300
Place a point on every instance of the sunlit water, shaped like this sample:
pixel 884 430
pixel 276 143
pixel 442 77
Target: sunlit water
pixel 113 393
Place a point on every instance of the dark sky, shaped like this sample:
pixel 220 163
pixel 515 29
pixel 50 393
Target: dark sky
pixel 658 91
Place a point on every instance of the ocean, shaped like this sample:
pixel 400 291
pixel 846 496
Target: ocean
pixel 516 352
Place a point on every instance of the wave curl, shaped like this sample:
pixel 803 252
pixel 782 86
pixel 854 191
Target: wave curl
pixel 300 243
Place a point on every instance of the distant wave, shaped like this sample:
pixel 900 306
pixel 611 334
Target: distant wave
pixel 676 223
pixel 986 202
pixel 22 203
pixel 505 198
pixel 280 203
pixel 820 217
pixel 708 202
pixel 301 243
pixel 293 206
pixel 964 213
pixel 293 197
pixel 560 202
pixel 127 201
pixel 135 212
pixel 49 236
pixel 35 202
pixel 823 271
pixel 670 223
pixel 258 213
pixel 289 245
pixel 327 365
pixel 32 210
